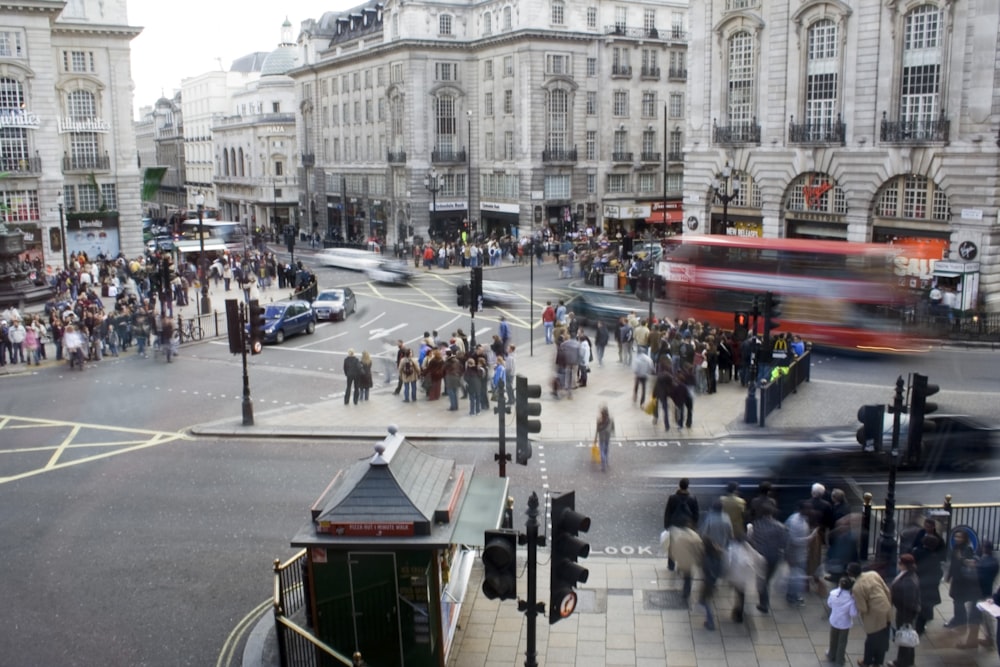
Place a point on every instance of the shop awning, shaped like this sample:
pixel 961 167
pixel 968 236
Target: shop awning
pixel 674 217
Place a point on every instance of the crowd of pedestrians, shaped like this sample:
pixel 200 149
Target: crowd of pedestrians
pixel 815 548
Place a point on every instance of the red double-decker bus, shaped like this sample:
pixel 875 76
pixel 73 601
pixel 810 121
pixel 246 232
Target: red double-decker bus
pixel 833 293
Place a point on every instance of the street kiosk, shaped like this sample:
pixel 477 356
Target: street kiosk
pixel 389 551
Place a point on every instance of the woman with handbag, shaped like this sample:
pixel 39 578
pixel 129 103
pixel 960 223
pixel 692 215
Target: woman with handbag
pixel 905 590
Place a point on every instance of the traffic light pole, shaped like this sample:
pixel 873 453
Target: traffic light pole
pixel 502 456
pixel 750 407
pixel 887 540
pixel 473 304
pixel 247 401
pixel 531 607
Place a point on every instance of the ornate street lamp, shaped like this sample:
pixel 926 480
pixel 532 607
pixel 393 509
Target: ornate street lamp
pixel 726 190
pixel 431 183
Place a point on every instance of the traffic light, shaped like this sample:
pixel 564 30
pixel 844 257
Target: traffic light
pixel 257 322
pixel 567 549
pixel 234 326
pixel 920 389
pixel 741 325
pixel 500 564
pixel 872 418
pixel 772 310
pixel 523 410
pixel 464 295
pixel 477 289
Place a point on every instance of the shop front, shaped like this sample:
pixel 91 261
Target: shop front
pixel 919 252
pixel 625 220
pixel 666 218
pixel 93 234
pixel 817 226
pixel 500 219
pixel 737 225
pixel 448 219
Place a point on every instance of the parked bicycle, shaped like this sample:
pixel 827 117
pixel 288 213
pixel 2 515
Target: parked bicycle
pixel 192 331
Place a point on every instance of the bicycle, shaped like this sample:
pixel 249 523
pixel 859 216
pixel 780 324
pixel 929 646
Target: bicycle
pixel 192 331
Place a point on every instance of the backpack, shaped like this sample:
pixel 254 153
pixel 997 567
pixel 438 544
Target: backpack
pixel 408 366
pixel 627 335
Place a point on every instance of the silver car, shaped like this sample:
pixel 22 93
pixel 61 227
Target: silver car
pixel 334 304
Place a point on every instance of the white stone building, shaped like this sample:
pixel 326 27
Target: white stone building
pixel 65 119
pixel 852 120
pixel 557 114
pixel 159 136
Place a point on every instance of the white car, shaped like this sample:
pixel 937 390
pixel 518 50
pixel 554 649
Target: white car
pixel 349 258
pixel 391 271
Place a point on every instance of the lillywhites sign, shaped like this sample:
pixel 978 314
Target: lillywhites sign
pixel 18 118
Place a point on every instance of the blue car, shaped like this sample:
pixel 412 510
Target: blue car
pixel 287 318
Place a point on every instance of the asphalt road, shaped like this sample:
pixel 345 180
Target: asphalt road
pixel 129 543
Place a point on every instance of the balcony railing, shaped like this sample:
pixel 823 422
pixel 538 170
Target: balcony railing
pixel 678 73
pixel 675 156
pixel 736 133
pixel 621 70
pixel 649 157
pixel 87 163
pixel 914 131
pixel 646 33
pixel 448 156
pixel 650 72
pixel 308 160
pixel 828 132
pixel 395 157
pixel 559 155
pixel 621 157
pixel 21 166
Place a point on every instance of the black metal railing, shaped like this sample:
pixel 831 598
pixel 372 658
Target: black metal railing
pixel 824 132
pixel 21 165
pixel 308 160
pixel 646 33
pixel 675 156
pixel 982 518
pixel 649 157
pixel 677 73
pixel 621 70
pixel 914 131
pixel 449 156
pixel 945 324
pixel 621 157
pixel 83 162
pixel 559 155
pixel 396 157
pixel 736 133
pixel 650 72
pixel 773 392
pixel 297 645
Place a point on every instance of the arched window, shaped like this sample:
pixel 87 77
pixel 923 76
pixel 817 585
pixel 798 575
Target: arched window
pixel 80 105
pixel 225 162
pixel 232 161
pixel 558 111
pixel 914 197
pixel 242 164
pixel 487 23
pixel 741 79
pixel 822 73
pixel 507 22
pixel 920 95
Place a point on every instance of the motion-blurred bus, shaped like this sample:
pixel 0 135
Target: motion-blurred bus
pixel 832 293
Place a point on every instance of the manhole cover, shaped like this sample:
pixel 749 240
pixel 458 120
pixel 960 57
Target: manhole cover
pixel 655 600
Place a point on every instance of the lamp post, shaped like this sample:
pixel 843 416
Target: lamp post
pixel 726 190
pixel 431 183
pixel 206 303
pixel 60 202
pixel 650 275
pixel 468 178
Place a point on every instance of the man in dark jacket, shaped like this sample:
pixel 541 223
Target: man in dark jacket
pixel 352 371
pixel 769 538
pixel 681 511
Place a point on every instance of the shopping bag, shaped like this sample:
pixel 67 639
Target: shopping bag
pixel 595 452
pixel 650 407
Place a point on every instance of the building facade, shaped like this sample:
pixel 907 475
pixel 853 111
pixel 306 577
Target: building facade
pixel 427 119
pixel 159 136
pixel 858 121
pixel 68 144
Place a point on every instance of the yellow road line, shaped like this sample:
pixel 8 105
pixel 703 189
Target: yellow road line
pixel 227 654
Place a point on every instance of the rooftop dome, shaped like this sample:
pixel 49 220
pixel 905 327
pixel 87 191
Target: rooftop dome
pixel 279 61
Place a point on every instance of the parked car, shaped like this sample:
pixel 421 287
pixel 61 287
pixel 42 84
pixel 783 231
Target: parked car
pixel 287 318
pixel 334 304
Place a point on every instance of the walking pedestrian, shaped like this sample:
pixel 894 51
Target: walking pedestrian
pixel 905 593
pixel 716 534
pixel 681 510
pixel 605 428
